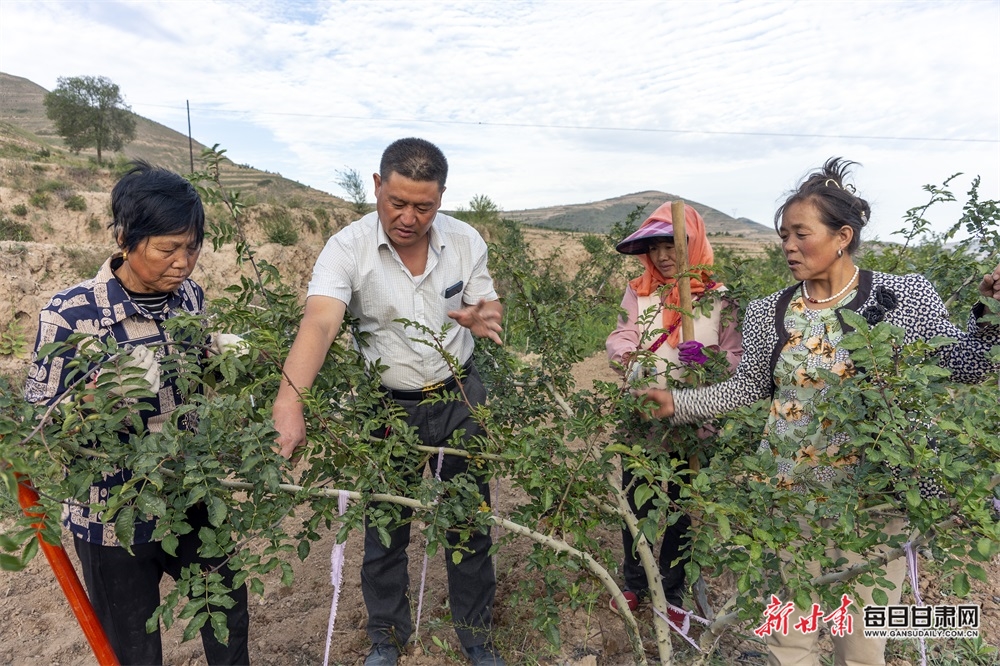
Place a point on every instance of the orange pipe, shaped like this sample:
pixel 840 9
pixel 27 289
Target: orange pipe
pixel 68 581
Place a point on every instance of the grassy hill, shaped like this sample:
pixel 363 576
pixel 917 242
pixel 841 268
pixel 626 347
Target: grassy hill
pixel 22 115
pixel 599 216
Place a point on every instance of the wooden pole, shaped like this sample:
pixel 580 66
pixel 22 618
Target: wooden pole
pixel 684 281
pixel 190 140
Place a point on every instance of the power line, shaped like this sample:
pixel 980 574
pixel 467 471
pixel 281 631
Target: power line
pixel 593 128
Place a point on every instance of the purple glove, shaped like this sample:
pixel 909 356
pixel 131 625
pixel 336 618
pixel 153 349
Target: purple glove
pixel 691 353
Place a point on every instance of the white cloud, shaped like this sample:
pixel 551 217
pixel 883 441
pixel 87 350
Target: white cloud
pixel 516 93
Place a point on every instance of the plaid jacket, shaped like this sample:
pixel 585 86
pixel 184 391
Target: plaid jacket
pixel 102 308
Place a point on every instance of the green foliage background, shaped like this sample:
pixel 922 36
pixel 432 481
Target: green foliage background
pixel 559 446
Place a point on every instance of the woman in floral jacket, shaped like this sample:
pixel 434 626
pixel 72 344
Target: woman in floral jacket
pixel 791 342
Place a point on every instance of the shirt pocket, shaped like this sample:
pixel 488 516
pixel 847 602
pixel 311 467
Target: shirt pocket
pixel 452 294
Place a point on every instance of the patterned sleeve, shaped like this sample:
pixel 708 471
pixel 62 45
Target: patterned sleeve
pixel 752 379
pixel 48 376
pixel 968 358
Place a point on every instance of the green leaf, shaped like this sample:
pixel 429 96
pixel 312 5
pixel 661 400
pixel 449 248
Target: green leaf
pixel 803 598
pixel 456 557
pixel 30 550
pixel 976 572
pixel 551 633
pixel 880 597
pixel 10 563
pixel 169 544
pixel 216 510
pixel 643 494
pixel 125 525
pixel 724 529
pixel 8 544
pixel 191 608
pixel 303 549
pixel 986 547
pixel 219 627
pixel 854 320
pixel 547 499
pixel 153 623
pixel 221 600
pixel 151 504
pixel 194 626
pixel 960 585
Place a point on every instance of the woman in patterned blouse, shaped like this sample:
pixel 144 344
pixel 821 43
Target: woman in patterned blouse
pixel 791 342
pixel 159 224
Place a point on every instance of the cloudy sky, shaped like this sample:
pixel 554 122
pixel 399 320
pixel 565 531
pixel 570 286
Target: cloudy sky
pixel 545 103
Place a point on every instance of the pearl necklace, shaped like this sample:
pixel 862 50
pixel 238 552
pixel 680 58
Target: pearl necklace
pixel 805 292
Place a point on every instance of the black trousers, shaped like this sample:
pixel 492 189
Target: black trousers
pixel 125 590
pixel 385 581
pixel 675 542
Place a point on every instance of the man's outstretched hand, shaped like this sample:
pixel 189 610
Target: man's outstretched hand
pixel 483 319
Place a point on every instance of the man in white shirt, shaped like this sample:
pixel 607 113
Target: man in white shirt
pixel 406 260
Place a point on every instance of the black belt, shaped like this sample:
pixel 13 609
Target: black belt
pixel 421 394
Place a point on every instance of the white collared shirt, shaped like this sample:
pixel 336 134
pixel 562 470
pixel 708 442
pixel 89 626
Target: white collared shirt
pixel 360 267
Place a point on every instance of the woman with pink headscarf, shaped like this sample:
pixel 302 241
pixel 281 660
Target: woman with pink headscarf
pixel 648 341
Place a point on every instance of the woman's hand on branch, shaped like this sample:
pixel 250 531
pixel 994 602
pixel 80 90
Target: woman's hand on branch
pixel 140 362
pixel 623 364
pixel 483 319
pixel 662 401
pixel 691 353
pixel 990 286
pixel 228 342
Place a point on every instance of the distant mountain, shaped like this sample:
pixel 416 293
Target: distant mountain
pixel 599 216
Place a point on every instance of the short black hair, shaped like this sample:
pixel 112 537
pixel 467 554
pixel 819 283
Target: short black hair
pixel 835 199
pixel 152 201
pixel 416 159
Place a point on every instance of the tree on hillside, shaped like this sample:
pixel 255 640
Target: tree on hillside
pixel 351 182
pixel 482 209
pixel 89 111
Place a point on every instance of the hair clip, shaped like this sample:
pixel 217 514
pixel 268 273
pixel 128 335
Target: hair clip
pixel 846 187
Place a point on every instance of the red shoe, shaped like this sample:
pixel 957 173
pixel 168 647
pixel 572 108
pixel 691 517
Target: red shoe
pixel 631 598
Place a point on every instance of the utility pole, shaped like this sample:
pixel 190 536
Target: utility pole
pixel 190 142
